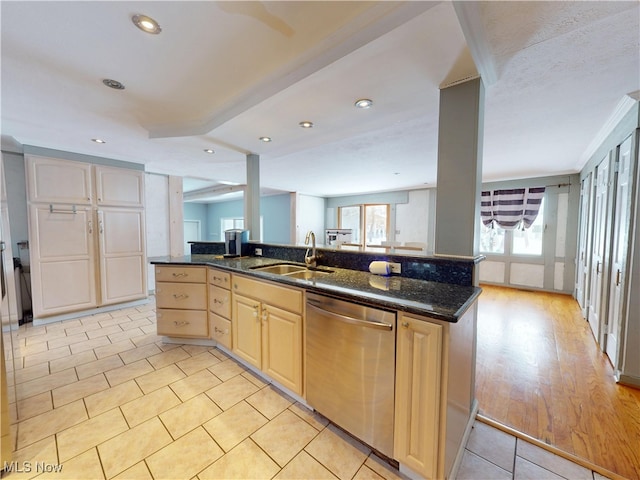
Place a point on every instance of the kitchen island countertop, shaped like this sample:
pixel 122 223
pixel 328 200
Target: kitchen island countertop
pixel 440 301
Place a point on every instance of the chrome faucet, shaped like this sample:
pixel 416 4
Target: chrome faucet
pixel 311 261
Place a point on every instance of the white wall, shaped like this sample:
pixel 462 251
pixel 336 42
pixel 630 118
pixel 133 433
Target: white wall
pixel 309 215
pixel 415 220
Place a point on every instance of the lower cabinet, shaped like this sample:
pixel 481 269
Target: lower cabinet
pixel 418 395
pixel 269 336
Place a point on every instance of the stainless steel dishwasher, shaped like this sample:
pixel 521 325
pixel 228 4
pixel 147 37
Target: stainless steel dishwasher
pixel 350 368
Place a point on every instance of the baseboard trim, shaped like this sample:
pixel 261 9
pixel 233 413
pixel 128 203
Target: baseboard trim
pixel 453 473
pixel 628 380
pixel 550 448
pixel 86 313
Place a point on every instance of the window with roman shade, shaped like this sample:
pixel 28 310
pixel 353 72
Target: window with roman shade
pixel 511 208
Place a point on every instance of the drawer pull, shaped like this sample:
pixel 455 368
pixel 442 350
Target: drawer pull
pixel 221 302
pixel 180 275
pixel 182 323
pixel 179 296
pixel 220 279
pixel 405 324
pixel 219 331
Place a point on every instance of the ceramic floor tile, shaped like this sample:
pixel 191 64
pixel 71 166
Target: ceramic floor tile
pixel 128 372
pixel 552 462
pixel 284 437
pixel 234 425
pixel 57 326
pixel 198 362
pixel 25 374
pixel 150 337
pixel 47 356
pixel 160 378
pixel 104 331
pixel 255 379
pixel 167 358
pixel 243 462
pixel 525 470
pixel 189 415
pixel 99 366
pixel 493 445
pixel 152 404
pixel 141 322
pixel 474 467
pixel 85 327
pixel 46 424
pixel 270 402
pixel 185 457
pixel 30 349
pixel 26 458
pixel 338 452
pixel 113 397
pixel 71 361
pixel 126 334
pixel 383 469
pixel 67 340
pixel 305 466
pixel 130 447
pixel 231 392
pixel 89 344
pixel 30 330
pixel 314 419
pixel 114 348
pixel 139 353
pixel 79 389
pixel 86 466
pixel 44 384
pixel 90 433
pixel 365 473
pixel 138 472
pixel 194 350
pixel 32 406
pixel 195 384
pixel 227 369
pixel 115 321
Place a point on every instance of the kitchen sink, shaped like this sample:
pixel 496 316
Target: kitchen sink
pixel 309 274
pixel 281 269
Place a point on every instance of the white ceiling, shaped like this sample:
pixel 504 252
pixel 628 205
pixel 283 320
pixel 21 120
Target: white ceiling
pixel 222 74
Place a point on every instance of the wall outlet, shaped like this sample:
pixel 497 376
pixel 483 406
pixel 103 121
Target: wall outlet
pixel 395 267
pixel 258 252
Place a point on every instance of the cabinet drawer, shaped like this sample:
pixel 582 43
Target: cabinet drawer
pixel 190 296
pixel 182 323
pixel 220 330
pixel 220 278
pixel 220 301
pixel 181 274
pixel 276 295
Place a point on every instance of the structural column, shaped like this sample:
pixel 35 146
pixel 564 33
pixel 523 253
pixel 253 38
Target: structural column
pixel 252 197
pixel 459 181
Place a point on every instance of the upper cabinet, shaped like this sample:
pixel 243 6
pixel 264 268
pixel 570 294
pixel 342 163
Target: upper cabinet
pixel 118 187
pixel 50 180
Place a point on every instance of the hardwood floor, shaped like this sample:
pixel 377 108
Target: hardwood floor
pixel 540 371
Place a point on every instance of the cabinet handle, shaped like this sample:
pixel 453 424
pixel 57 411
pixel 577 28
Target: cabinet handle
pixel 90 226
pixel 219 331
pixel 265 315
pixel 405 324
pixel 179 275
pixel 597 267
pixel 181 323
pixel 221 302
pixel 179 296
pixel 618 275
pixel 255 310
pixel 101 226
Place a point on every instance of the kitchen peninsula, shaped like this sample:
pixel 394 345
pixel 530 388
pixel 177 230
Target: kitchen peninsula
pixel 260 318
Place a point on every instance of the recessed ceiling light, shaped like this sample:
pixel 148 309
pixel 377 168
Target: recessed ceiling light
pixel 306 124
pixel 113 84
pixel 265 139
pixel 98 140
pixel 364 103
pixel 208 150
pixel 146 24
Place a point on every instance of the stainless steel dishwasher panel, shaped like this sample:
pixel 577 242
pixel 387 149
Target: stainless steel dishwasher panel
pixel 350 368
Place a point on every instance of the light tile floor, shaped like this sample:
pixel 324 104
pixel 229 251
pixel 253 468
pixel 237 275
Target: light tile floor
pixel 103 397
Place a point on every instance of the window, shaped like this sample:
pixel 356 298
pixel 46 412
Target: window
pixel 368 221
pixel 496 240
pixel 492 239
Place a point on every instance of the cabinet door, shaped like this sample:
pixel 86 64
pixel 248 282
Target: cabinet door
pixel 62 260
pixel 58 181
pixel 282 347
pixel 246 329
pixel 119 187
pixel 417 409
pixel 122 255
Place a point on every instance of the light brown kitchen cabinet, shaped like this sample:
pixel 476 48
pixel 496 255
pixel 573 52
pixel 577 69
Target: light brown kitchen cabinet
pixel 418 395
pixel 181 301
pixel 220 306
pixel 86 226
pixel 267 329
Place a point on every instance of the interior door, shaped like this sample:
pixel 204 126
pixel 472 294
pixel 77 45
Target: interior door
pixel 122 257
pixel 619 252
pixel 597 295
pixel 584 244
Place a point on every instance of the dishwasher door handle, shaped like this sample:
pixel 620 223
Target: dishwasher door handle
pixel 352 320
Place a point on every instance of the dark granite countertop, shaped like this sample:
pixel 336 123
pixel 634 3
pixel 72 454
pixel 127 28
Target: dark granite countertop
pixel 441 301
